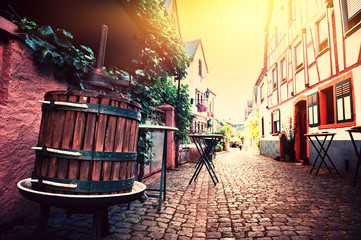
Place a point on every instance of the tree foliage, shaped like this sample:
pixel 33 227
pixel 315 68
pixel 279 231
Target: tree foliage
pixel 225 131
pixel 167 93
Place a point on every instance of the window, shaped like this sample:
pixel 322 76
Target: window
pixel 336 104
pixel 291 11
pixel 343 96
pixel 322 34
pixel 299 55
pixel 283 69
pixel 313 117
pixel 262 127
pixel 275 122
pixel 200 67
pixel 326 101
pixel 274 79
pixel 262 93
pixel 351 13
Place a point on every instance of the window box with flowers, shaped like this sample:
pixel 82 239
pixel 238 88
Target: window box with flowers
pixel 201 107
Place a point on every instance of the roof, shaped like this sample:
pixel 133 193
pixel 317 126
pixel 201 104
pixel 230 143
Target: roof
pixel 191 47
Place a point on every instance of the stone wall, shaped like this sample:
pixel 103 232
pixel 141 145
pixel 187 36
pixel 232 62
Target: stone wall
pixel 22 83
pixel 269 148
pixel 340 150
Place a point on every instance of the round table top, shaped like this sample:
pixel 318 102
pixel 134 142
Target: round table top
pixel 320 134
pixel 204 135
pixel 354 129
pixel 63 200
pixel 150 127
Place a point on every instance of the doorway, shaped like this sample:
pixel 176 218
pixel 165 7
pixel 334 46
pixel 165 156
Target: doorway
pixel 300 130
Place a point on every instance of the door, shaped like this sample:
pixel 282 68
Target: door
pixel 300 130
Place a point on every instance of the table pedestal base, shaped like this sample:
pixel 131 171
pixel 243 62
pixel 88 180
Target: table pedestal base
pixel 100 225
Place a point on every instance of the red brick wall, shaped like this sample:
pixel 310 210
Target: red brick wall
pixel 22 84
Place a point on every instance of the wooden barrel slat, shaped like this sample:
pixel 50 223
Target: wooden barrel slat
pixel 130 170
pixel 78 137
pixel 67 134
pixel 118 144
pixel 109 143
pixel 88 142
pixel 133 142
pixel 99 142
pixel 124 165
pixel 57 135
pixel 47 136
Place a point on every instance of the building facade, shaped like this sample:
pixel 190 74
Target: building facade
pixel 311 77
pixel 202 98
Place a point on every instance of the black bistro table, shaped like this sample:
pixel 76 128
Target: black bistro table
pixel 355 129
pixel 205 144
pixel 322 150
pixel 163 177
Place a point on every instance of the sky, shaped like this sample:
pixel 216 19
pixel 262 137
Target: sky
pixel 232 34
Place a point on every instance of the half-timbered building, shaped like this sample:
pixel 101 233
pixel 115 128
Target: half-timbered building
pixel 311 78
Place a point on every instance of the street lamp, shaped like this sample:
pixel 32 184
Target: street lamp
pixel 207 93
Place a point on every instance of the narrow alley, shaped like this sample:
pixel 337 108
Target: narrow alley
pixel 256 197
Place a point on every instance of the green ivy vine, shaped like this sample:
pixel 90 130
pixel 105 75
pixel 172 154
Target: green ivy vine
pixel 55 47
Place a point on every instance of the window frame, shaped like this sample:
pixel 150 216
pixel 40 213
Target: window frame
pixel 350 23
pixel 322 44
pixel 322 108
pixel 312 103
pixel 274 79
pixel 298 65
pixel 275 124
pixel 262 92
pixel 283 70
pixel 343 96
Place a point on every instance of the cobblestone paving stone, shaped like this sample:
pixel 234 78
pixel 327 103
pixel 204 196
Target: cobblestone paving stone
pixel 256 198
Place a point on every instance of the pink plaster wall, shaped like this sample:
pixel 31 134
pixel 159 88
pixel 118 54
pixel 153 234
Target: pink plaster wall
pixel 170 121
pixel 22 85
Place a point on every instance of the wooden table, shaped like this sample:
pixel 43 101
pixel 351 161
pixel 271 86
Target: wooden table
pixel 321 148
pixel 79 203
pixel 355 129
pixel 163 177
pixel 209 141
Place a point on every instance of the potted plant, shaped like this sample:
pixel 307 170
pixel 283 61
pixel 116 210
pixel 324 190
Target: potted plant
pixel 288 145
pixel 201 107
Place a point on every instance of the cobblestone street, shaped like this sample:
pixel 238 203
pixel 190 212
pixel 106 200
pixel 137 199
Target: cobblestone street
pixel 256 197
